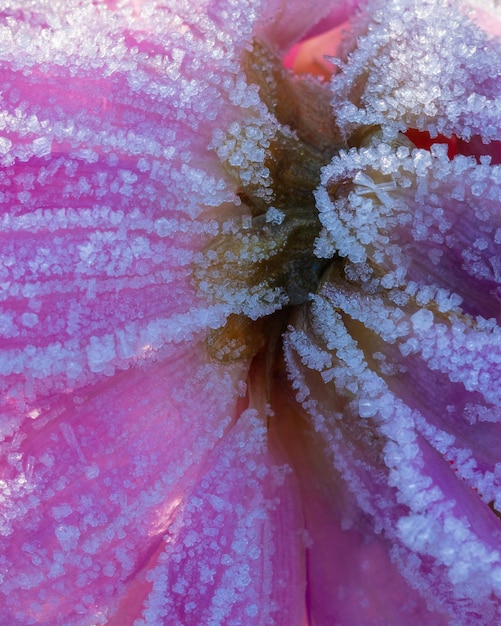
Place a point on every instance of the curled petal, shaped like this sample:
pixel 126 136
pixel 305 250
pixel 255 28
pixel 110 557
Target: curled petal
pixel 394 460
pixel 416 222
pixel 450 86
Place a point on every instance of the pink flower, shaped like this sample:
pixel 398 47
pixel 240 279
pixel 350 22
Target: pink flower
pixel 250 347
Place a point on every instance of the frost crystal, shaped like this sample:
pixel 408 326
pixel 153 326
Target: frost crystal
pixel 250 352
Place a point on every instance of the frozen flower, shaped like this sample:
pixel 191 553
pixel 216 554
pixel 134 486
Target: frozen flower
pixel 250 348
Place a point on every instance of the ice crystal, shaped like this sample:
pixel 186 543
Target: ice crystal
pixel 250 352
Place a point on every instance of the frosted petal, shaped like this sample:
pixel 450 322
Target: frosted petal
pixel 427 225
pixel 396 462
pixel 351 578
pixel 149 154
pixel 448 86
pixel 91 485
pixel 234 554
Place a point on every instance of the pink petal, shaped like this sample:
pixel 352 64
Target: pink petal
pixel 352 578
pixel 134 482
pixel 233 553
pixel 432 225
pixel 93 483
pixel 98 204
pixel 447 89
pixel 445 540
pixel 310 56
pixel 282 24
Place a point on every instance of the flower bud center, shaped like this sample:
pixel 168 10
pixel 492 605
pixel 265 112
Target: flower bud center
pixel 267 262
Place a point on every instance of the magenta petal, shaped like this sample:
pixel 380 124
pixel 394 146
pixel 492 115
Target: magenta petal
pixel 352 578
pixel 143 477
pixel 97 214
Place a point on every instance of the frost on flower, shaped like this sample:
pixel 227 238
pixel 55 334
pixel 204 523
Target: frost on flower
pixel 250 347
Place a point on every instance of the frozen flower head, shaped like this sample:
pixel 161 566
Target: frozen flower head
pixel 250 349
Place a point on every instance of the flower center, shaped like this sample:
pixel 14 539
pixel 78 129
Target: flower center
pixel 266 262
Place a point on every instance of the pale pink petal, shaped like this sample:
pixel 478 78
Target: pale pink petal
pixel 487 15
pixel 312 55
pixel 282 25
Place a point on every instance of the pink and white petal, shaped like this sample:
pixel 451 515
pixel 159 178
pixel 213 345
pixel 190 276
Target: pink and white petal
pixel 453 75
pixel 446 540
pixel 487 15
pixel 90 488
pixel 416 222
pixel 234 552
pixel 444 370
pixel 105 170
pixel 466 351
pixel 352 578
